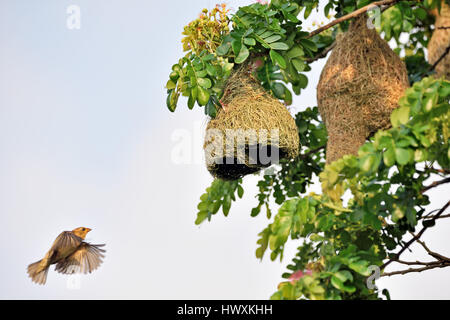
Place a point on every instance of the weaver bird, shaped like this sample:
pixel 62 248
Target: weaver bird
pixel 70 254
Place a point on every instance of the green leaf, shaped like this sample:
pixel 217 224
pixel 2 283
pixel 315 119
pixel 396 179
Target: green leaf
pixel 277 59
pixel 273 38
pixel 191 101
pixel 344 275
pixel 201 216
pixel 212 70
pixel 226 205
pixel 223 49
pixel 294 52
pixel 174 75
pixel 202 96
pixel 236 45
pixel 240 191
pixel 338 284
pixel 243 55
pixel 360 266
pixel 389 157
pixel 171 85
pixel 278 89
pixel 204 83
pixel 368 162
pixel 308 44
pixel 299 64
pixel 170 100
pixel 420 13
pixel 303 81
pixel 279 46
pixel 402 156
pixel 210 109
pixel 308 11
pixel 249 41
pixel 400 116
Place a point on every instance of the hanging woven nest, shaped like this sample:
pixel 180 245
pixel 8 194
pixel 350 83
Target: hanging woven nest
pixel 440 40
pixel 359 87
pixel 252 131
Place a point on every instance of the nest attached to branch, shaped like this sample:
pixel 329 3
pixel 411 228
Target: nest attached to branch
pixel 252 131
pixel 440 40
pixel 359 87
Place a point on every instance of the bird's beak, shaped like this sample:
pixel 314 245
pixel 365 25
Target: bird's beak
pixel 88 230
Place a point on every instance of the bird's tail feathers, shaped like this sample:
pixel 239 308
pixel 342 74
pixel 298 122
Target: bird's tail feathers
pixel 38 272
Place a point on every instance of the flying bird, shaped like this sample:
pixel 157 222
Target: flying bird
pixel 70 254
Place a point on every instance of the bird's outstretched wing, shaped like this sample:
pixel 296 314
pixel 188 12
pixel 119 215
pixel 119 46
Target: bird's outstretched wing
pixel 86 258
pixel 64 245
pixel 66 240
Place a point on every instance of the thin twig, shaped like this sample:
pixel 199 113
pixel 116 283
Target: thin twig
pixel 387 3
pixel 440 170
pixel 305 155
pixel 435 183
pixel 323 54
pixel 435 255
pixel 416 237
pixel 440 58
pixel 432 266
pixel 440 217
pixel 412 263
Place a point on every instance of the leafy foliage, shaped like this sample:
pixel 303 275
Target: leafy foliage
pixel 295 175
pixel 269 37
pixel 368 202
pixel 219 195
pixel 341 242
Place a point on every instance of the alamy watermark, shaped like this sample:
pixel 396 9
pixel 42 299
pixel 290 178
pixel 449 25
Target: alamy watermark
pixel 374 17
pixel 73 21
pixel 376 274
pixel 230 146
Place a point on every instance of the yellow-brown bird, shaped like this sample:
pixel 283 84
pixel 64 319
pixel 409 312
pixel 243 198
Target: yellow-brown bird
pixel 70 254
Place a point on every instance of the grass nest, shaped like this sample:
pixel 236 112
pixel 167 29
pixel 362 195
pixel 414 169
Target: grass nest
pixel 359 87
pixel 440 40
pixel 252 131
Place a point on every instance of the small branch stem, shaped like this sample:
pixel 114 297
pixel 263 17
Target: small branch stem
pixel 432 266
pixel 435 255
pixel 305 155
pixel 440 217
pixel 413 263
pixel 416 237
pixel 436 183
pixel 440 58
pixel 386 3
pixel 323 54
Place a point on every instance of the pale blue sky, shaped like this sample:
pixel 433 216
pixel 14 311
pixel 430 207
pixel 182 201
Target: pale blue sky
pixel 86 140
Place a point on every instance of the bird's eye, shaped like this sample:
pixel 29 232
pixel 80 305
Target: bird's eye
pixel 83 229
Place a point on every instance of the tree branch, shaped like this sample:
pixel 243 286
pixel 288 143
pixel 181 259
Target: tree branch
pixel 305 155
pixel 435 255
pixel 386 3
pixel 440 217
pixel 436 183
pixel 432 266
pixel 413 263
pixel 440 170
pixel 416 237
pixel 323 54
pixel 440 58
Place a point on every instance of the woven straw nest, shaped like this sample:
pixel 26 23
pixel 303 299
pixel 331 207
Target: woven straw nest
pixel 359 87
pixel 440 40
pixel 252 131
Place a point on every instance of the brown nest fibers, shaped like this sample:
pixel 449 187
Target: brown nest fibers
pixel 359 87
pixel 440 41
pixel 252 131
